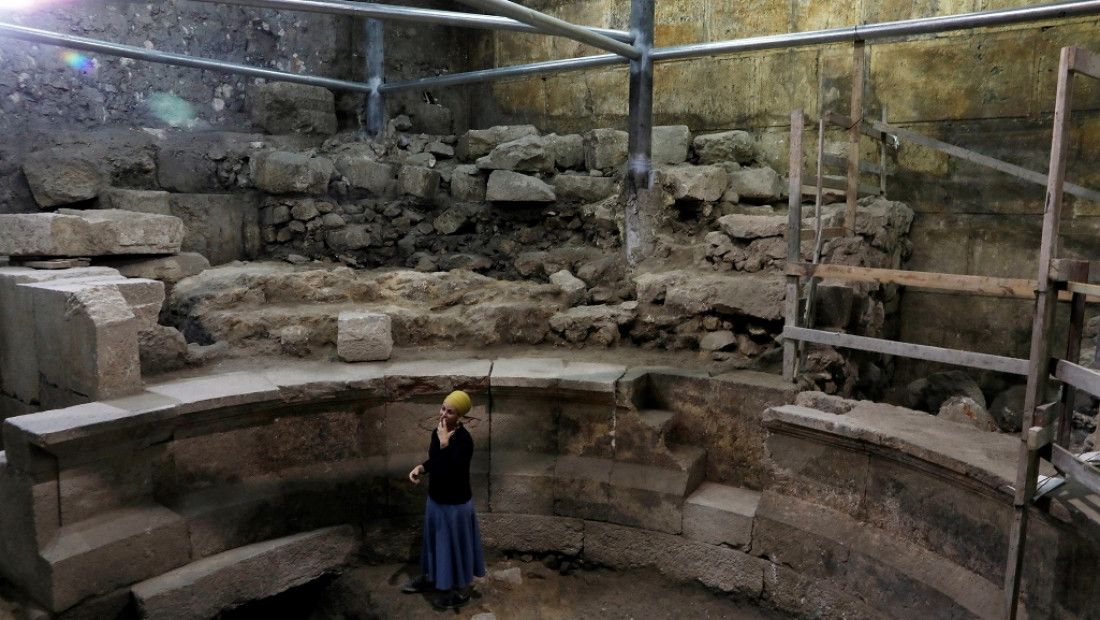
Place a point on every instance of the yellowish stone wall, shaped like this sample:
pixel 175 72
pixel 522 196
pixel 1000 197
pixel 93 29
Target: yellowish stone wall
pixel 990 90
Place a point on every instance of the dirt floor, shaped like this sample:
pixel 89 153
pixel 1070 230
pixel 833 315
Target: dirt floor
pixel 512 590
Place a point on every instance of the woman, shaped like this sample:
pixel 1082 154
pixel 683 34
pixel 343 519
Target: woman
pixel 451 555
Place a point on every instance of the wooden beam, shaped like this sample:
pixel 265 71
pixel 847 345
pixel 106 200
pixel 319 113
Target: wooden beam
pixel 1064 269
pixel 1078 376
pixel 840 162
pixel 999 287
pixel 1092 290
pixel 835 182
pixel 984 160
pixel 843 121
pixel 859 65
pixel 1087 475
pixel 794 241
pixel 915 351
pixel 1085 63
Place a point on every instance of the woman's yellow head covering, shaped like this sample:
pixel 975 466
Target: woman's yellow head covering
pixel 460 401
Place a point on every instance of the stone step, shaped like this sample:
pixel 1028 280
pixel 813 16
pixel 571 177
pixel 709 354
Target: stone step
pixel 717 514
pixel 910 581
pixel 113 549
pixel 229 579
pixel 660 420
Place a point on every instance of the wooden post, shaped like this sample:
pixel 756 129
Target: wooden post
pixel 1039 365
pixel 858 67
pixel 1080 273
pixel 883 146
pixel 794 241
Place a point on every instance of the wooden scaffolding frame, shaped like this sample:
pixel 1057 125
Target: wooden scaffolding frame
pixel 1046 426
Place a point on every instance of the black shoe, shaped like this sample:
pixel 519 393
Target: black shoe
pixel 451 599
pixel 417 585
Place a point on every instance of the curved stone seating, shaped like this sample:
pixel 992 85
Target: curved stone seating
pixel 872 512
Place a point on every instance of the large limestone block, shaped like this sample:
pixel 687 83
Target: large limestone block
pixel 671 144
pixel 58 176
pixel 18 343
pixel 508 186
pixel 756 295
pixel 363 172
pixel 583 187
pixel 89 233
pixel 675 557
pixel 467 184
pixel 521 482
pixel 140 200
pixel 533 533
pixel 202 589
pixel 477 143
pixel 720 515
pixel 605 148
pixel 221 227
pixel 284 107
pixel 527 154
pixel 757 185
pixel 364 337
pixel 741 226
pixel 735 146
pixel 418 181
pixel 284 172
pixel 113 550
pixel 87 342
pixel 568 150
pixel 698 183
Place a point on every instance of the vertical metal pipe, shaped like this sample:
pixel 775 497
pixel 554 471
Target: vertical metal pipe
pixel 640 134
pixel 640 143
pixel 374 113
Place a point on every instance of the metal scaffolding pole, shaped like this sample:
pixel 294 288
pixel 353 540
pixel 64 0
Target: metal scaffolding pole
pixel 374 113
pixel 553 25
pixel 427 16
pixel 168 58
pixel 640 140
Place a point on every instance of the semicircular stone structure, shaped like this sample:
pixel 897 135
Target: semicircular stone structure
pixel 199 494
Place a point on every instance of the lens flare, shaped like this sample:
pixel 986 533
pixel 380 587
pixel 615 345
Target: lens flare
pixel 172 110
pixel 78 61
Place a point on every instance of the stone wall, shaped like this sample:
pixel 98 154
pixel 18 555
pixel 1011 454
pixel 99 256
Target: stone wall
pixel 837 507
pixel 990 90
pixel 46 89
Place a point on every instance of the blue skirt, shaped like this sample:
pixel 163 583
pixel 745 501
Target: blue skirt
pixel 451 555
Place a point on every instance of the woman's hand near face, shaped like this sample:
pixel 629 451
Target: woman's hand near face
pixel 443 434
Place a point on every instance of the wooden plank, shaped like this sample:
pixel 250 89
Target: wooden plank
pixel 985 160
pixel 1038 368
pixel 859 64
pixel 1085 63
pixel 1066 269
pixel 794 240
pixel 999 287
pixel 1039 437
pixel 1042 433
pixel 1078 376
pixel 1087 475
pixel 882 156
pixel 846 122
pixel 1093 290
pixel 915 351
pixel 834 182
pixel 840 162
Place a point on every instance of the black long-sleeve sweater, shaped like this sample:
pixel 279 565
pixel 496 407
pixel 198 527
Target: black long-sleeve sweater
pixel 449 468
